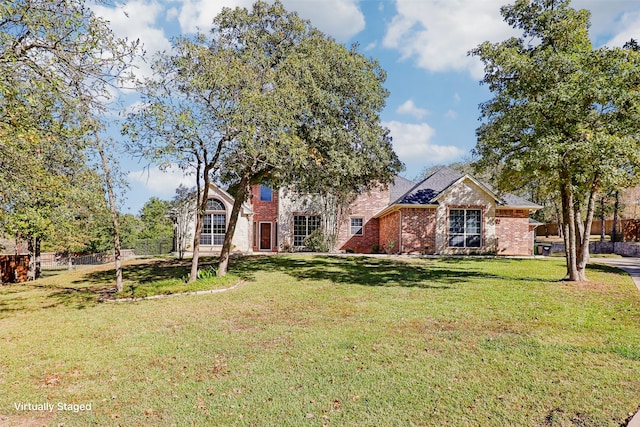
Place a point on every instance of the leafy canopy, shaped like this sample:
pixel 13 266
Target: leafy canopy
pixel 559 105
pixel 563 114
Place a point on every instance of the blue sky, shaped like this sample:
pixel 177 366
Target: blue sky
pixel 432 109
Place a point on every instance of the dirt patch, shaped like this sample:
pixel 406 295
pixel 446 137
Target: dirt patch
pixel 41 420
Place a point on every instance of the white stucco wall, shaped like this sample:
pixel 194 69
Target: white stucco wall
pixel 289 204
pixel 241 238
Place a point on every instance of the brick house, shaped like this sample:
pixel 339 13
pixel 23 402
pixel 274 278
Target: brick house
pixel 446 213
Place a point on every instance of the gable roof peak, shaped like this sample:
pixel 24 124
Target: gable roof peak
pixel 424 192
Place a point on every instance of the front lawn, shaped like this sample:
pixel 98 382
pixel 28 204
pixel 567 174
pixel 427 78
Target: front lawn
pixel 318 340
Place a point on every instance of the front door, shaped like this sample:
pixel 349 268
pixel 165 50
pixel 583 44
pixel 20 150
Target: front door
pixel 265 236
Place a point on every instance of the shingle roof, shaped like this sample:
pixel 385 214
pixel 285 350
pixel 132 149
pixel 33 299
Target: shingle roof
pixel 399 187
pixel 509 199
pixel 427 191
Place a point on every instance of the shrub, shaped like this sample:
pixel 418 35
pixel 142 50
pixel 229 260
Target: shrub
pixel 390 246
pixel 207 273
pixel 317 242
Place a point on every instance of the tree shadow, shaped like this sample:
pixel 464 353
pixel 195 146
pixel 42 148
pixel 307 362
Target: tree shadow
pixel 93 287
pixel 153 271
pixel 364 271
pixel 604 268
pixel 11 305
pixel 79 298
pixel 425 273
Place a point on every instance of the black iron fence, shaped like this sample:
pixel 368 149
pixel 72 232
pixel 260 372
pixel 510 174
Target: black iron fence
pixel 142 247
pixel 56 261
pixel 148 247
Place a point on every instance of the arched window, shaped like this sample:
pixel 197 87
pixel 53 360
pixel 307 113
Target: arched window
pixel 215 205
pixel 215 223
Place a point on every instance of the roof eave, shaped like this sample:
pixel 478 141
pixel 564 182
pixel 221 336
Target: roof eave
pixel 396 207
pixel 472 179
pixel 530 208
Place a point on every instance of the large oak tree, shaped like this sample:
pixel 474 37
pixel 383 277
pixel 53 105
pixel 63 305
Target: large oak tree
pixel 563 114
pixel 265 97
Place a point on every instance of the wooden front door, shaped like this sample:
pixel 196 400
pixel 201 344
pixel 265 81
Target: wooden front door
pixel 265 236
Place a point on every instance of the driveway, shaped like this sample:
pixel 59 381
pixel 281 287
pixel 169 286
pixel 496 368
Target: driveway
pixel 630 265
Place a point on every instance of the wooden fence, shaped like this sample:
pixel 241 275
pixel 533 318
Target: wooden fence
pixel 629 229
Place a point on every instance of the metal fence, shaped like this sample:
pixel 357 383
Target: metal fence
pixel 143 247
pixel 55 261
pixel 153 247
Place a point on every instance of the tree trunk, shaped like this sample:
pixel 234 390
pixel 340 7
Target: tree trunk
pixel 569 220
pixel 38 253
pixel 558 218
pixel 240 197
pixel 111 201
pixel 602 219
pixel 203 195
pixel 614 231
pixel 31 272
pixel 583 253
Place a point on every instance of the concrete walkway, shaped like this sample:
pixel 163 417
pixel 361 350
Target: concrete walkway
pixel 631 266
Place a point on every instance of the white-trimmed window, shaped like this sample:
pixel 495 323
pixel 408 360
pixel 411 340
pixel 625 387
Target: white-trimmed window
pixel 357 226
pixel 303 226
pixel 215 224
pixel 465 228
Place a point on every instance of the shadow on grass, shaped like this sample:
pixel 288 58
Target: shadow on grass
pixel 441 273
pixel 153 271
pixel 78 297
pixel 364 271
pixel 91 287
pixel 604 268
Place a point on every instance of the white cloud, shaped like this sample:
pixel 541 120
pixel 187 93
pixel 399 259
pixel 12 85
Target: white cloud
pixel 438 34
pixel 199 14
pixel 338 18
pixel 451 114
pixel 160 183
pixel 409 108
pixel 412 143
pixel 605 14
pixel 341 19
pixel 628 28
pixel 137 20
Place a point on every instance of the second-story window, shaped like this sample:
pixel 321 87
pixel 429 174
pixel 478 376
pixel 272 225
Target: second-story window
pixel 266 194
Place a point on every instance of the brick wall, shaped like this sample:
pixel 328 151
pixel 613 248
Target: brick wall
pixel 513 232
pixel 418 231
pixel 390 232
pixel 365 206
pixel 263 211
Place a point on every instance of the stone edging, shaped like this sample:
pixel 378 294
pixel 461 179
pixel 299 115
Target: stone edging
pixel 161 296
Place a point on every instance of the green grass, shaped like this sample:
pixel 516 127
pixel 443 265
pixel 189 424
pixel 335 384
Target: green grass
pixel 314 340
